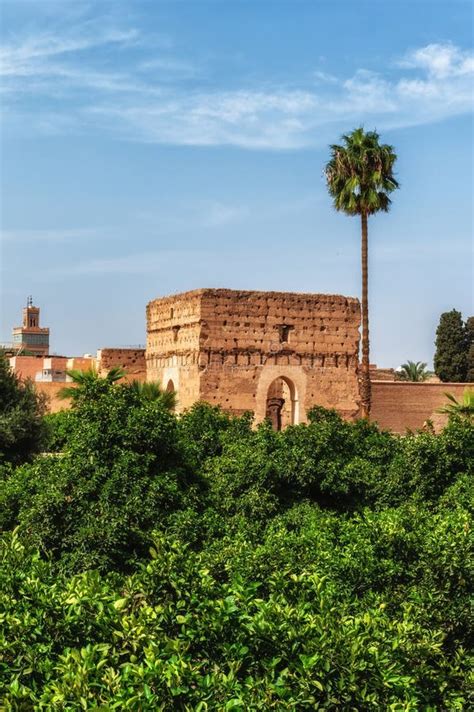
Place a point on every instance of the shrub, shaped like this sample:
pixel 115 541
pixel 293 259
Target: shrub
pixel 121 473
pixel 196 564
pixel 21 410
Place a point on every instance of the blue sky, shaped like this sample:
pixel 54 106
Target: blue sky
pixel 154 147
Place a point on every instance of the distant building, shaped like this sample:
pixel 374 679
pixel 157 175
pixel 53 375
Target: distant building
pixel 30 337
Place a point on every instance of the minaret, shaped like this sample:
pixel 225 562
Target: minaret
pixel 30 337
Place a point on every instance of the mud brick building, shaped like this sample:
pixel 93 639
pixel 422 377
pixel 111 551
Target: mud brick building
pixel 274 353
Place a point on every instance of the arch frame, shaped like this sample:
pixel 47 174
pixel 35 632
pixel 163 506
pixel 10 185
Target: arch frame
pixel 296 382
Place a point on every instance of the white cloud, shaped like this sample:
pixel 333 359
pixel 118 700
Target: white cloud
pixel 28 57
pixel 325 77
pixel 143 98
pixel 441 60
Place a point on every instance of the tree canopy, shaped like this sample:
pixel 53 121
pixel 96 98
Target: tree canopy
pixel 360 173
pixel 414 371
pixel 21 409
pixel 450 360
pixel 150 561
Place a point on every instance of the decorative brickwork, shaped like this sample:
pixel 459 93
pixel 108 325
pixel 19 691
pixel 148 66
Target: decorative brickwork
pixel 249 350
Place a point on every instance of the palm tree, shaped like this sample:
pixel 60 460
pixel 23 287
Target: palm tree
pixel 360 178
pixel 152 391
pixel 464 407
pixel 87 381
pixel 411 371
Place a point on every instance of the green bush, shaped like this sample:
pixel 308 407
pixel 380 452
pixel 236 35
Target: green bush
pixel 21 423
pixel 173 636
pixel 58 428
pixel 119 475
pixel 195 563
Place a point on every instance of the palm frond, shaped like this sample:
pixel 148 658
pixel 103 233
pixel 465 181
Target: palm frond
pixel 463 408
pixel 152 391
pixel 359 173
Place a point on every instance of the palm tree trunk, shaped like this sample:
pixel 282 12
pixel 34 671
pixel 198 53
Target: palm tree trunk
pixel 365 374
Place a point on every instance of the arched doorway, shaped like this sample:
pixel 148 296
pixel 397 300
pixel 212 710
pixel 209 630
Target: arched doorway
pixel 171 389
pixel 282 403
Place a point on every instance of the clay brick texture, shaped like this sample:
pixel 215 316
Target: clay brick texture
pixel 131 360
pixel 400 406
pixel 276 354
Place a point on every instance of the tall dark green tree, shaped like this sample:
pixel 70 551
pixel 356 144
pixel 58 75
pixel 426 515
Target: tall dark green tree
pixel 360 179
pixel 21 411
pixel 450 361
pixel 470 349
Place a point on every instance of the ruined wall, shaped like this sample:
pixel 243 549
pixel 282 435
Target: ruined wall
pixel 382 374
pixel 252 338
pixel 172 350
pixel 399 405
pixel 226 347
pixel 132 360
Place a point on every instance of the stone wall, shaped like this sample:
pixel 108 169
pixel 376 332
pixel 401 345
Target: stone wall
pixel 51 390
pixel 47 368
pixel 399 406
pixel 131 360
pixel 382 374
pixel 227 347
pixel 173 345
pixel 27 366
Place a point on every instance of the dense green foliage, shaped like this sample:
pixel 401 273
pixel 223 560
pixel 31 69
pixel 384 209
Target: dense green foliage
pixel 89 382
pixel 21 409
pixel 120 474
pixel 158 563
pixel 453 340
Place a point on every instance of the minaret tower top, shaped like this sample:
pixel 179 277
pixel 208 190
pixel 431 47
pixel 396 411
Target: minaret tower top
pixel 30 337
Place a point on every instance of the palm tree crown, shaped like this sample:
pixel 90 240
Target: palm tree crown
pixel 360 173
pixel 89 381
pixel 152 391
pixel 411 371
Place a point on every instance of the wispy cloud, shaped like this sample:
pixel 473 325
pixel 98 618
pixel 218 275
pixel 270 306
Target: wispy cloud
pixel 54 235
pixel 153 96
pixel 30 56
pixel 440 60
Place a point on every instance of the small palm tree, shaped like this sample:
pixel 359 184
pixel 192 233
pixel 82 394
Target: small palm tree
pixel 464 407
pixel 359 179
pixel 87 381
pixel 411 371
pixel 152 391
